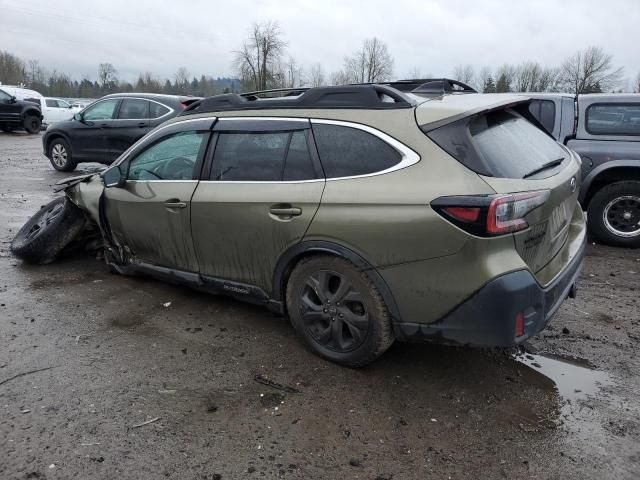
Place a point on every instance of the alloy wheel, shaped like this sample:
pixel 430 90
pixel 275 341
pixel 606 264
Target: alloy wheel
pixel 45 219
pixel 334 311
pixel 621 216
pixel 59 155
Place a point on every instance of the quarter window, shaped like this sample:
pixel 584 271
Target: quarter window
pixel 346 151
pixel 157 110
pixel 134 109
pixel 614 119
pixel 262 157
pixel 101 111
pixel 545 112
pixel 172 158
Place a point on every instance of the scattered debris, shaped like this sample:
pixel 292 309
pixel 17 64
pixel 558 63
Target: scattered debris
pixel 26 410
pixel 270 383
pixel 145 423
pixel 566 331
pixel 166 305
pixel 89 444
pixel 27 373
pixel 167 392
pixel 354 462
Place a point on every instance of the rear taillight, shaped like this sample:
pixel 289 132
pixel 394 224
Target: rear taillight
pixel 490 215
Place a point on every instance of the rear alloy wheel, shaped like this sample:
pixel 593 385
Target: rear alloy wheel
pixel 32 124
pixel 60 155
pixel 338 311
pixel 614 214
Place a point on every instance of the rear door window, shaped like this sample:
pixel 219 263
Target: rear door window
pixel 260 156
pixel 614 119
pixel 134 109
pixel 545 112
pixel 347 152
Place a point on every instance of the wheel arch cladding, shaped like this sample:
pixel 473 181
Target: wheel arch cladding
pixel 291 257
pixel 606 173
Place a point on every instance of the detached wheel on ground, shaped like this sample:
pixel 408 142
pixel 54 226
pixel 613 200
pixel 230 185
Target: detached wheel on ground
pixel 59 154
pixel 614 214
pixel 32 124
pixel 338 311
pixel 48 232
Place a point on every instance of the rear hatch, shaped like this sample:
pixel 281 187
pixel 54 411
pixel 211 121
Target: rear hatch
pixel 512 153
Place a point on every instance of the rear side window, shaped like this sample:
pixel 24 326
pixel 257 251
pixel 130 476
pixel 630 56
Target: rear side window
pixel 51 103
pixel 347 152
pixel 134 109
pixel 262 157
pixel 157 110
pixel 545 112
pixel 614 119
pixel 498 144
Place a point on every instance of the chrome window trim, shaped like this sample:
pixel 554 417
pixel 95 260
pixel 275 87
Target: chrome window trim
pixel 171 110
pixel 287 119
pixel 151 135
pixel 162 181
pixel 409 157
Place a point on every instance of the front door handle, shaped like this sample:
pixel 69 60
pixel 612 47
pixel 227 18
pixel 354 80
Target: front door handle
pixel 285 211
pixel 142 124
pixel 175 203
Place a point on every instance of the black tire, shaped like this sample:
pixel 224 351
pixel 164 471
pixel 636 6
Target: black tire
pixel 322 292
pixel 60 156
pixel 32 124
pixel 46 234
pixel 614 214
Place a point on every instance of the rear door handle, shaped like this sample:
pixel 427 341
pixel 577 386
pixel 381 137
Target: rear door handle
pixel 142 124
pixel 285 211
pixel 175 203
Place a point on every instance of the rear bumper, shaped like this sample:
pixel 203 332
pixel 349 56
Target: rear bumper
pixel 488 317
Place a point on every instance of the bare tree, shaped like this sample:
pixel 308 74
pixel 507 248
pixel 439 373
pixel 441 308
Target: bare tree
pixel 293 74
pixel 316 75
pixel 590 70
pixel 182 80
pixel 465 74
pixel 260 55
pixel 372 63
pixel 107 75
pixel 340 78
pixel 505 76
pixel 636 86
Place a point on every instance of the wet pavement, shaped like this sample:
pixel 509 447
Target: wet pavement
pixel 104 376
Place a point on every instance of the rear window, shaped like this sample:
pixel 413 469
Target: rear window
pixel 614 119
pixel 498 144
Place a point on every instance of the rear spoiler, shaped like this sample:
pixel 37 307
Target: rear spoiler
pixel 520 106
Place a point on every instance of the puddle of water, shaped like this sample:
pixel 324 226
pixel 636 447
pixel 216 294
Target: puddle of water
pixel 574 378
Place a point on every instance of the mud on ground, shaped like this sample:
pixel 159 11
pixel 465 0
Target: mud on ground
pixel 142 380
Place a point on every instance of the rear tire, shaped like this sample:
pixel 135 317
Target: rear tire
pixel 46 233
pixel 32 124
pixel 614 214
pixel 338 311
pixel 60 156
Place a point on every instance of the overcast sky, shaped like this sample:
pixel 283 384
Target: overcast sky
pixel 433 36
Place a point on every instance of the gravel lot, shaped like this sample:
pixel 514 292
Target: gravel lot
pixel 115 352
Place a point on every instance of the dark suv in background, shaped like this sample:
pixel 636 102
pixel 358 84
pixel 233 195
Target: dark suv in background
pixel 604 129
pixel 107 127
pixel 18 114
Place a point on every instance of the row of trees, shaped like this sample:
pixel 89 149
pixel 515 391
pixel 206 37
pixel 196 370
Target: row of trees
pixel 15 71
pixel 262 62
pixel 588 71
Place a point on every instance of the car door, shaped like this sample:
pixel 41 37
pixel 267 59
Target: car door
pixel 149 216
pixel 89 135
pixel 10 110
pixel 130 125
pixel 259 192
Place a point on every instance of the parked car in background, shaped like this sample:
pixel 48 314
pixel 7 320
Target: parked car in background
pixel 18 114
pixel 604 129
pixel 58 110
pixel 365 213
pixel 107 127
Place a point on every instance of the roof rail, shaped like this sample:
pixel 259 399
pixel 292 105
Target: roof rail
pixel 372 96
pixel 438 86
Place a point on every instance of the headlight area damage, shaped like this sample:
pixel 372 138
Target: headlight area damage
pixel 70 222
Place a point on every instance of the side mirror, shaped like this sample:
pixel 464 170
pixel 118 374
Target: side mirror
pixel 115 176
pixel 78 117
pixel 12 99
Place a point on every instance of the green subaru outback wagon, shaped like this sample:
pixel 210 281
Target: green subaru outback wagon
pixel 414 210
